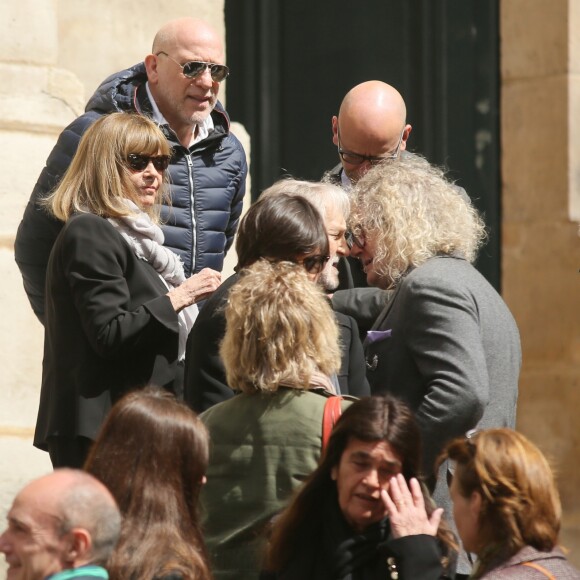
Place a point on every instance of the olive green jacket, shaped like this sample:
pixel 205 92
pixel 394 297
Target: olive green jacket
pixel 262 448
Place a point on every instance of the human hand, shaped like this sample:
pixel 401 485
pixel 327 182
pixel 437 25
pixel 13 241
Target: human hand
pixel 195 288
pixel 406 509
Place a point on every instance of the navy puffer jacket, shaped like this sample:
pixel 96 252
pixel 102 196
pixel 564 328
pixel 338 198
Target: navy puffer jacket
pixel 208 183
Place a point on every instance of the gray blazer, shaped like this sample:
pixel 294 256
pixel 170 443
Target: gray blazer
pixel 447 345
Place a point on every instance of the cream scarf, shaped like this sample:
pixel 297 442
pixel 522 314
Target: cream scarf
pixel 146 240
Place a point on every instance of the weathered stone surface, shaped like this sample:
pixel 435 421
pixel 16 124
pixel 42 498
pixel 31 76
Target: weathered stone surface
pixel 23 157
pixel 534 130
pixel 29 32
pixel 541 285
pixel 103 38
pixel 574 140
pixel 21 342
pixel 38 99
pixel 540 61
pixel 534 38
pixel 547 414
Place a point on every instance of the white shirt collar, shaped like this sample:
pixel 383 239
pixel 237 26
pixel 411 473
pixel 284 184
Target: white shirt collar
pixel 345 181
pixel 203 128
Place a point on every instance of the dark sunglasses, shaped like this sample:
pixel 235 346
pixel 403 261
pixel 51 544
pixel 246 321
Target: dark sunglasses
pixel 315 264
pixel 194 68
pixel 140 162
pixel 352 240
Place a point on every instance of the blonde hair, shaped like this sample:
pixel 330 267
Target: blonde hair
pixel 280 329
pixel 520 502
pixel 98 178
pixel 412 212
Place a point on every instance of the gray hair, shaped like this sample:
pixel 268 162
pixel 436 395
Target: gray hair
pixel 320 194
pixel 86 503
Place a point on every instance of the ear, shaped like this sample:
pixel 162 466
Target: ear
pixel 80 547
pixel 406 132
pixel 151 68
pixel 475 502
pixel 335 130
pixel 334 470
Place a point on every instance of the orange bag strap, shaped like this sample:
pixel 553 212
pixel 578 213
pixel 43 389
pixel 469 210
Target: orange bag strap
pixel 332 411
pixel 539 569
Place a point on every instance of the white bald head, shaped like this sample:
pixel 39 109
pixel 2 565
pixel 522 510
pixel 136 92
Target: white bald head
pixel 187 32
pixel 372 123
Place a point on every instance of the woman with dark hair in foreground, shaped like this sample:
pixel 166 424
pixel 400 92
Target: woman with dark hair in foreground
pixel 363 514
pixel 506 506
pixel 152 454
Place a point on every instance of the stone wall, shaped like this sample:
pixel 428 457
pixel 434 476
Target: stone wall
pixel 540 64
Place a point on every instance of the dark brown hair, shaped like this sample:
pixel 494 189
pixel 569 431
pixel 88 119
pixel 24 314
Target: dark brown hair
pixel 280 227
pixel 520 505
pixel 379 418
pixel 152 454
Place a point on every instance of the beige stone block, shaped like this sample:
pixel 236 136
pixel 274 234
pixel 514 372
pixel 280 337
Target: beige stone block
pixel 103 38
pixel 29 31
pixel 570 533
pixel 574 142
pixel 534 138
pixel 574 37
pixel 540 284
pixel 548 414
pixel 38 99
pixel 21 345
pixel 23 157
pixel 533 38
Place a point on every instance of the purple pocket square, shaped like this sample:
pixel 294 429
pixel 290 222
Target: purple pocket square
pixel 378 335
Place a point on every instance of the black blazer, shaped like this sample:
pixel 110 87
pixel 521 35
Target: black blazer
pixel 110 328
pixel 205 377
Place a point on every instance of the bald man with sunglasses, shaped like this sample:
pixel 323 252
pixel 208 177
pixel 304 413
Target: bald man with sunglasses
pixel 177 86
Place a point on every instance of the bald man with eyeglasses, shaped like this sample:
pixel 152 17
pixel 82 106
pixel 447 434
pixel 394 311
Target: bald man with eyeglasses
pixel 371 126
pixel 177 86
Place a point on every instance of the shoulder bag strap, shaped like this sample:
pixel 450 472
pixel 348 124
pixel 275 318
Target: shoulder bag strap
pixel 332 411
pixel 539 569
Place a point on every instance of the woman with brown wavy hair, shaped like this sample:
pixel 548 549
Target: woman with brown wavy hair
pixel 506 506
pixel 363 514
pixel 152 454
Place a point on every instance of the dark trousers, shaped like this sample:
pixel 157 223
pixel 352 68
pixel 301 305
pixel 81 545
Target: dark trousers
pixel 66 452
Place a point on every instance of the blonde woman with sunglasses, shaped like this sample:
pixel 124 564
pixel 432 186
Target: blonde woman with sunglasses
pixel 118 305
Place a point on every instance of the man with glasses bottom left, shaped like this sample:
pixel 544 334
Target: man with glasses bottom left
pixel 177 86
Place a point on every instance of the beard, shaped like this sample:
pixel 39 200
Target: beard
pixel 198 117
pixel 329 277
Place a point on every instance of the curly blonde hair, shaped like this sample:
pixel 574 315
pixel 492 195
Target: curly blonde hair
pixel 520 504
pixel 280 329
pixel 98 178
pixel 412 213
